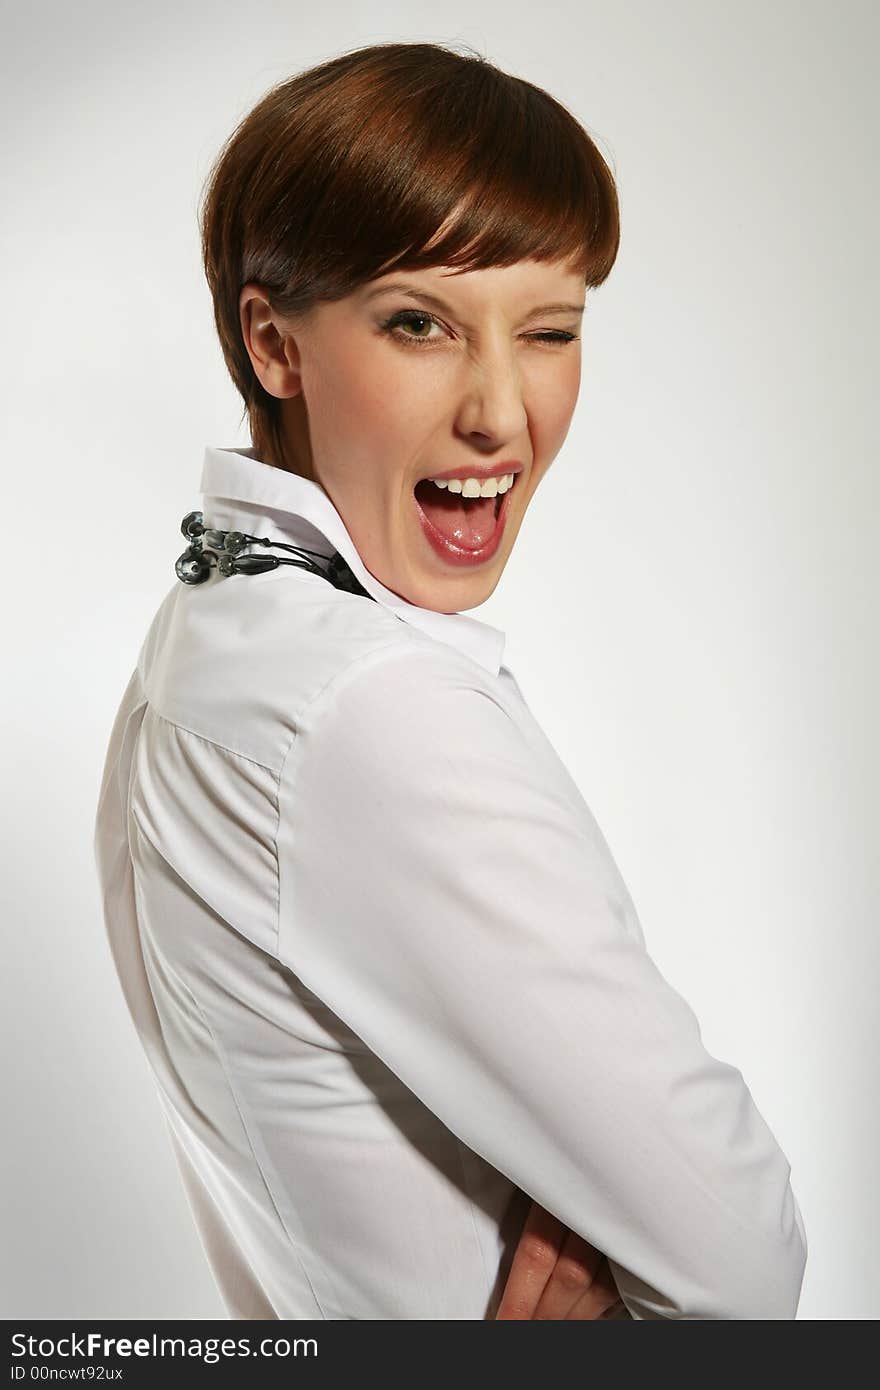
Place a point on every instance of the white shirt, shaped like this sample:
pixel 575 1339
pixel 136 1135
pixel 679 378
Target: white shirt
pixel 388 977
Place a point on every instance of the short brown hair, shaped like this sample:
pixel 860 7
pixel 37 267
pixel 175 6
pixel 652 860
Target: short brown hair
pixel 349 169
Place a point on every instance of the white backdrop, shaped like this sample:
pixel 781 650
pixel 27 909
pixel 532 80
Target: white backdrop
pixel 691 607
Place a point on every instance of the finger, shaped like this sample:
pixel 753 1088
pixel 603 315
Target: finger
pixel 540 1241
pixel 571 1279
pixel 598 1299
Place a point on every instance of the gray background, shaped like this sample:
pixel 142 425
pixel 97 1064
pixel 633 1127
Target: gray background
pixel 691 607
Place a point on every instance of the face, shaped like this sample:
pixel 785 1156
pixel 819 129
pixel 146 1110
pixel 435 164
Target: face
pixel 419 375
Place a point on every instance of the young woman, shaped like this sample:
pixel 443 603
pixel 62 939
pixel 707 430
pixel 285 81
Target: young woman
pixel 414 1057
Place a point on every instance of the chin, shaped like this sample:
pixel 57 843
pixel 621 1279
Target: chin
pixel 459 595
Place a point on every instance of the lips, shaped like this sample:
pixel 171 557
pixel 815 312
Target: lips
pixel 497 470
pixel 462 531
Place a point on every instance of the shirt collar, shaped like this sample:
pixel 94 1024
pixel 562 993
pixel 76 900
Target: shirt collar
pixel 304 515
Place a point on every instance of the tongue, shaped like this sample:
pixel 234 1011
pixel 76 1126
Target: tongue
pixel 467 521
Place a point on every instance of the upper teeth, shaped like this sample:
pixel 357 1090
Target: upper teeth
pixel 472 487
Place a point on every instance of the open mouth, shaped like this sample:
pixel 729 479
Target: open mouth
pixel 451 511
pixel 461 528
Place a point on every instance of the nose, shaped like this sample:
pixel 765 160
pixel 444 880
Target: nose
pixel 492 410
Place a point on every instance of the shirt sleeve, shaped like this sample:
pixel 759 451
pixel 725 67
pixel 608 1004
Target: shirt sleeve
pixel 446 890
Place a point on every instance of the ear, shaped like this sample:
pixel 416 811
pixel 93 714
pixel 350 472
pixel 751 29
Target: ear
pixel 273 350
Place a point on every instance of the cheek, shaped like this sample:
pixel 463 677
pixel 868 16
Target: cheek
pixel 371 403
pixel 551 416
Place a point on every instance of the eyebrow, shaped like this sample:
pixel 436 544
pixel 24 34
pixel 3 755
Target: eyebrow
pixel 414 292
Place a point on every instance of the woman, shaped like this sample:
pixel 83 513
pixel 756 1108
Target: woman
pixel 413 1055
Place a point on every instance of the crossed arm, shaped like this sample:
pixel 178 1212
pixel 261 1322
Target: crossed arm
pixel 451 897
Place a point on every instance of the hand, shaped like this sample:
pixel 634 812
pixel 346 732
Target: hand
pixel 556 1274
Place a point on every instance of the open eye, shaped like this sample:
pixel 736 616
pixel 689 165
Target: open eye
pixel 418 316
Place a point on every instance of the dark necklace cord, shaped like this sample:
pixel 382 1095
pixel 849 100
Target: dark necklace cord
pixel 210 548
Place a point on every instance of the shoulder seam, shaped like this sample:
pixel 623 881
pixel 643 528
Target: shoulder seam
pixel 397 644
pixel 404 644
